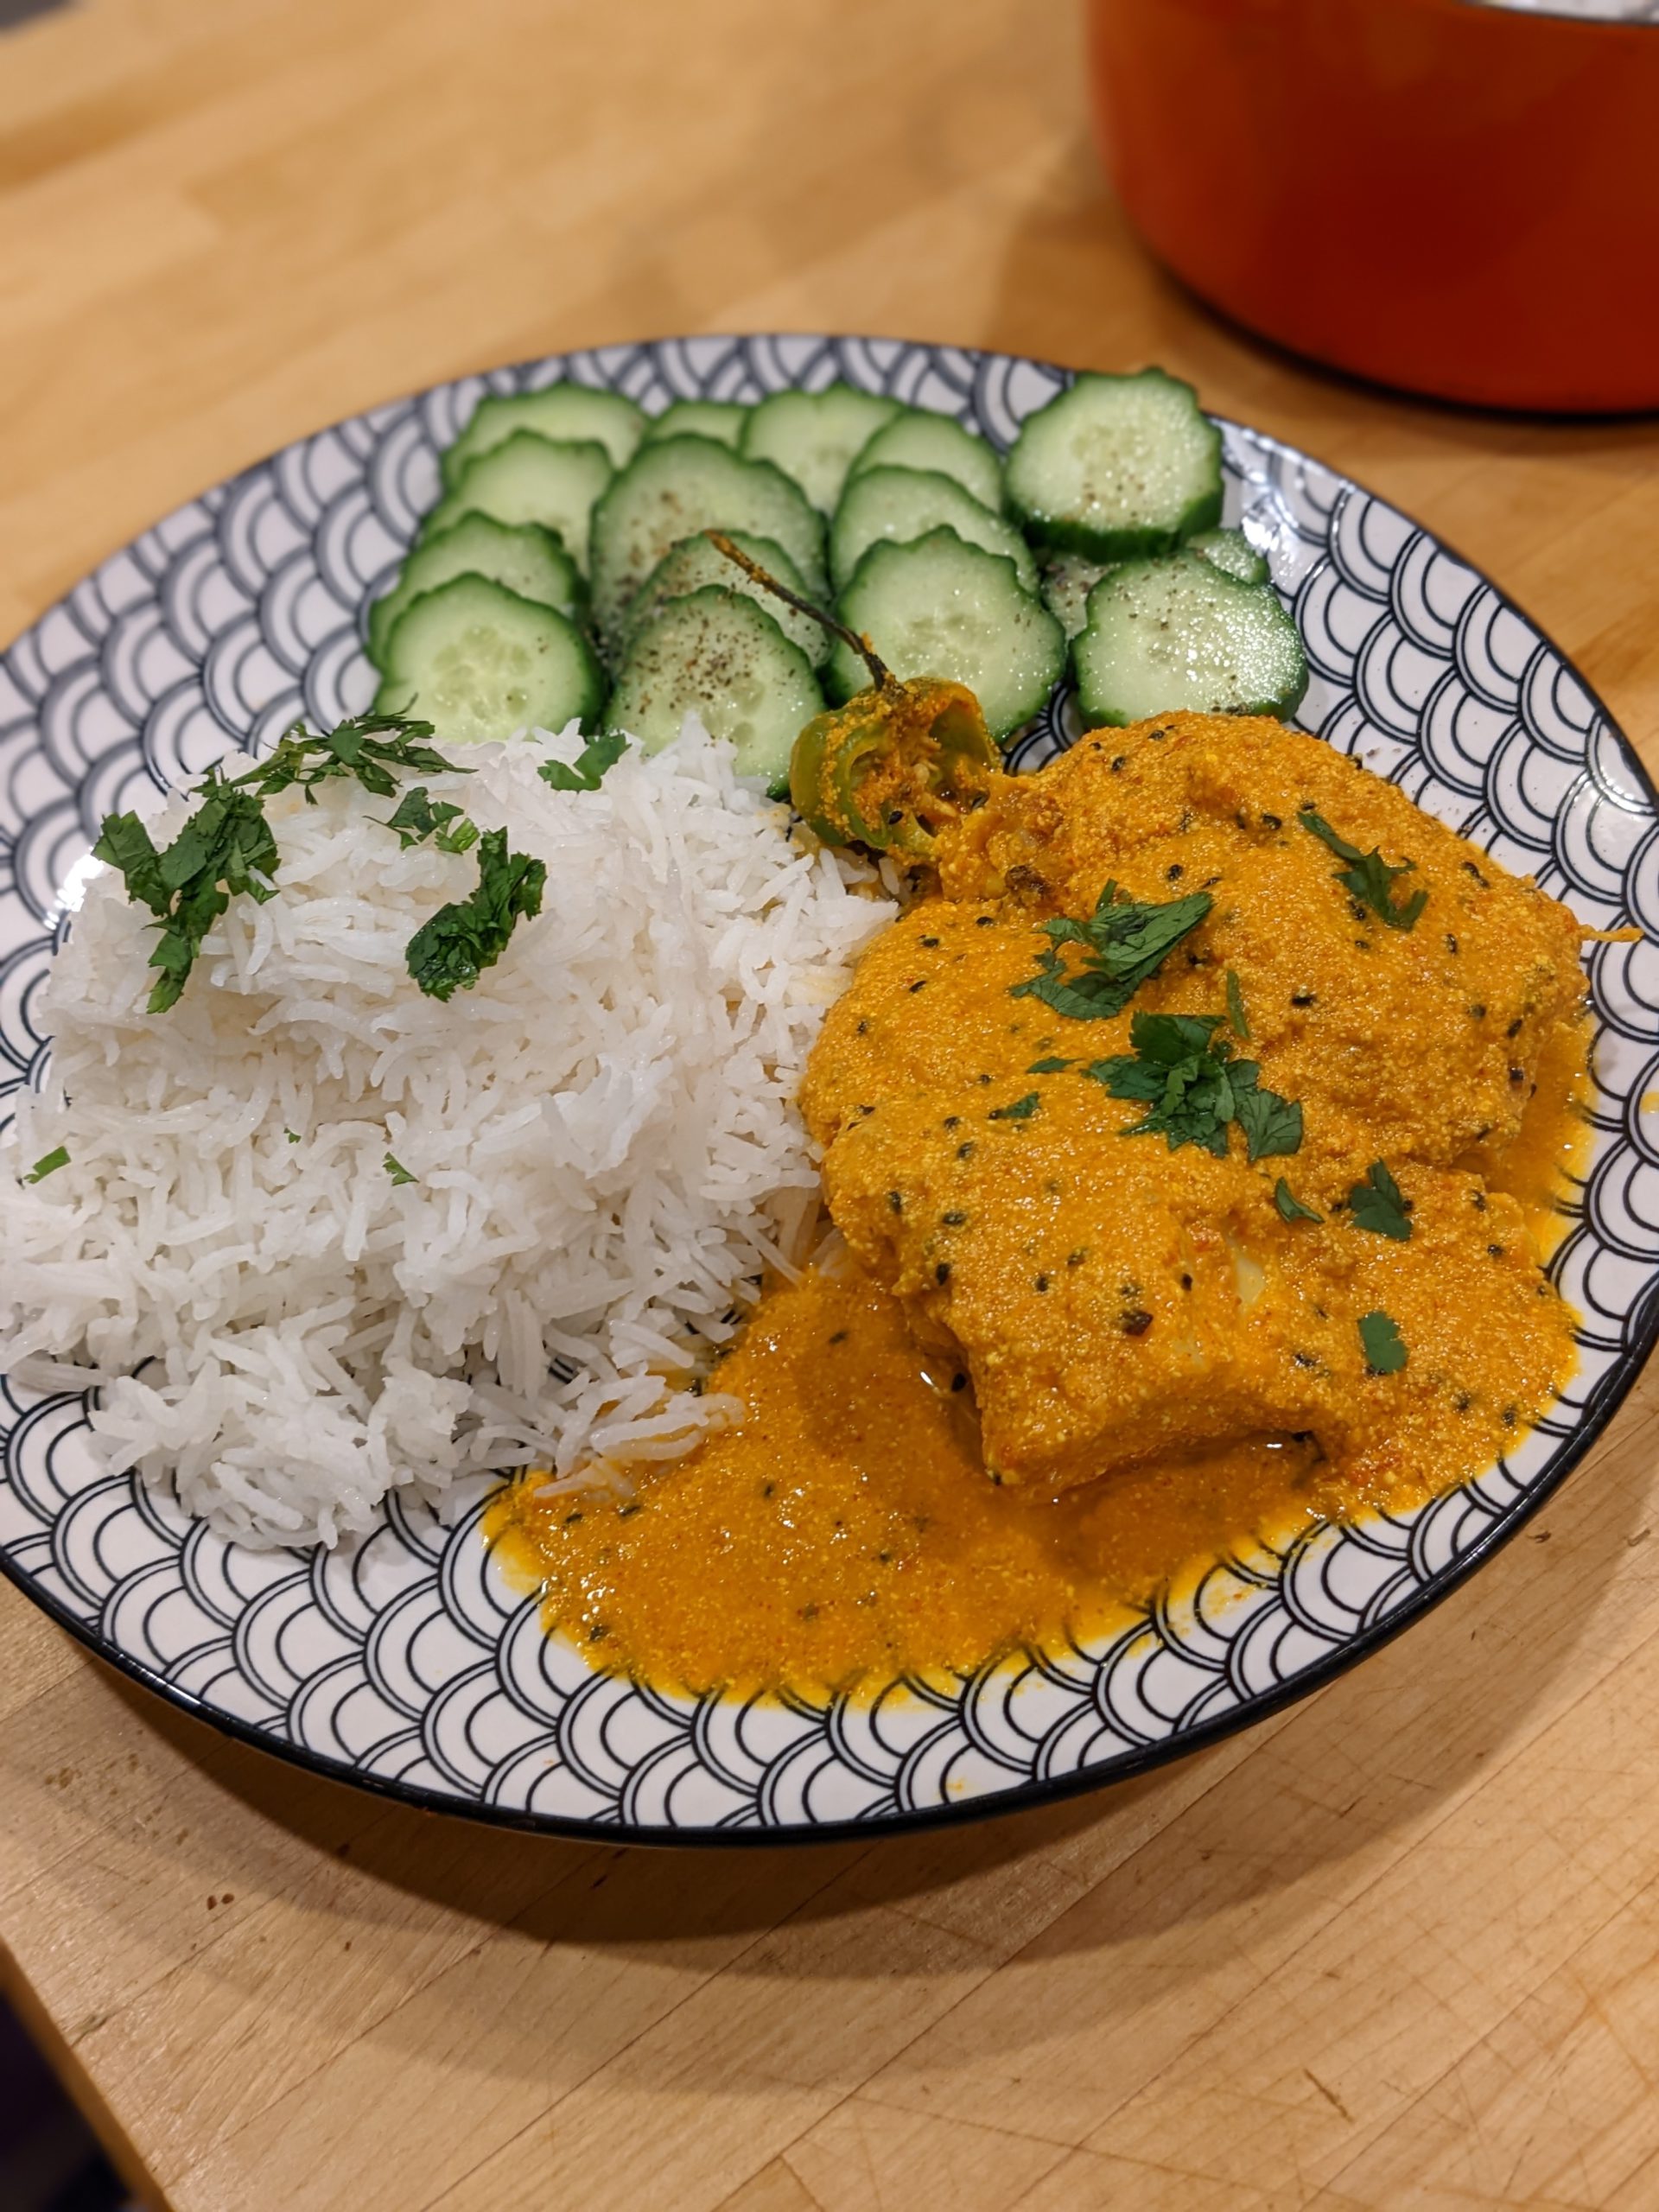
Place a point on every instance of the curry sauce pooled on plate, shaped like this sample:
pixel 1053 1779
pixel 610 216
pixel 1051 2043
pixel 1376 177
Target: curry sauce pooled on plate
pixel 1194 1139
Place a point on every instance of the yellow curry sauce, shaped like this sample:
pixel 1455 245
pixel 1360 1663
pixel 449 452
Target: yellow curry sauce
pixel 846 1530
pixel 1062 1373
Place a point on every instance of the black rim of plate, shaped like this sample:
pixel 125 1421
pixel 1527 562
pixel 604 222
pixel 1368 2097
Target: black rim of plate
pixel 1606 1401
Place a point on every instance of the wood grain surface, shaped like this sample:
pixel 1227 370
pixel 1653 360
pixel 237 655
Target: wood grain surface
pixel 1394 1948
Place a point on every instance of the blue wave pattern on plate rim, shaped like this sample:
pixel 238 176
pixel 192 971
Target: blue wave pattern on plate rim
pixel 407 1664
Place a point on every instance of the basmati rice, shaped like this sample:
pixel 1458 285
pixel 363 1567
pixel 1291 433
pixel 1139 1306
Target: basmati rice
pixel 602 1137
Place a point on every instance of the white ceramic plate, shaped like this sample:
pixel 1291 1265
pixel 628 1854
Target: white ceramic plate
pixel 407 1664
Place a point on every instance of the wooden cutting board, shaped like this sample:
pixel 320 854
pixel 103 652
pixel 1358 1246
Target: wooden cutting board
pixel 1391 1949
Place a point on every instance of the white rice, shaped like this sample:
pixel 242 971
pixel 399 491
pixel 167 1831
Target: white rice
pixel 603 1136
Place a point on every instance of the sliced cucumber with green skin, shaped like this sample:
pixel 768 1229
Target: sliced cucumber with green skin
pixel 936 443
pixel 676 487
pixel 567 412
pixel 814 436
pixel 695 562
pixel 941 607
pixel 1116 466
pixel 720 419
pixel 530 479
pixel 1231 550
pixel 1178 633
pixel 717 655
pixel 525 557
pixel 477 661
pixel 1068 579
pixel 902 503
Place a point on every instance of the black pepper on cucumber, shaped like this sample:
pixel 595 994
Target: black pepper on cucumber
pixel 696 560
pixel 1116 466
pixel 941 607
pixel 676 486
pixel 717 654
pixel 1180 633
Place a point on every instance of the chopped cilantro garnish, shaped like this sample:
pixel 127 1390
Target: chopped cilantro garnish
pixel 1271 1124
pixel 1020 1110
pixel 1124 943
pixel 293 1136
pixel 1368 876
pixel 226 846
pixel 1235 1014
pixel 48 1164
pixel 1290 1206
pixel 1193 1088
pixel 586 772
pixel 1378 1205
pixel 451 951
pixel 397 1170
pixel 1385 1350
pixel 1047 1067
pixel 419 816
pixel 368 747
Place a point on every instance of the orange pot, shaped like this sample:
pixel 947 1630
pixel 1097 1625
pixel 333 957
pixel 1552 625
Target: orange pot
pixel 1459 199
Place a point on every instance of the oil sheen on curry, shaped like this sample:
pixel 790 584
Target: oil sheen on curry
pixel 1192 1139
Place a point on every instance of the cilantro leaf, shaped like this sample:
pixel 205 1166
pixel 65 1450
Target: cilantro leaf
pixel 1020 1110
pixel 224 848
pixel 1271 1124
pixel 227 849
pixel 1385 1350
pixel 1368 876
pixel 418 817
pixel 586 773
pixel 1235 1014
pixel 1180 1071
pixel 1124 944
pixel 1047 1067
pixel 1185 1074
pixel 397 1170
pixel 450 952
pixel 1379 1206
pixel 1290 1206
pixel 124 843
pixel 48 1164
pixel 368 747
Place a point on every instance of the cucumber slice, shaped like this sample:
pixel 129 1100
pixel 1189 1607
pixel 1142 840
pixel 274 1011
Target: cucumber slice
pixel 1231 550
pixel 716 654
pixel 1068 579
pixel 569 413
pixel 902 503
pixel 530 479
pixel 720 419
pixel 678 485
pixel 477 661
pixel 1180 633
pixel 941 607
pixel 814 436
pixel 525 557
pixel 1116 466
pixel 937 443
pixel 685 568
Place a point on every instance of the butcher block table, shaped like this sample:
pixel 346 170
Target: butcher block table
pixel 1394 1948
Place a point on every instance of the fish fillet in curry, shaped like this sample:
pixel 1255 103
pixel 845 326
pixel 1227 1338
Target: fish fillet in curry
pixel 1113 1298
